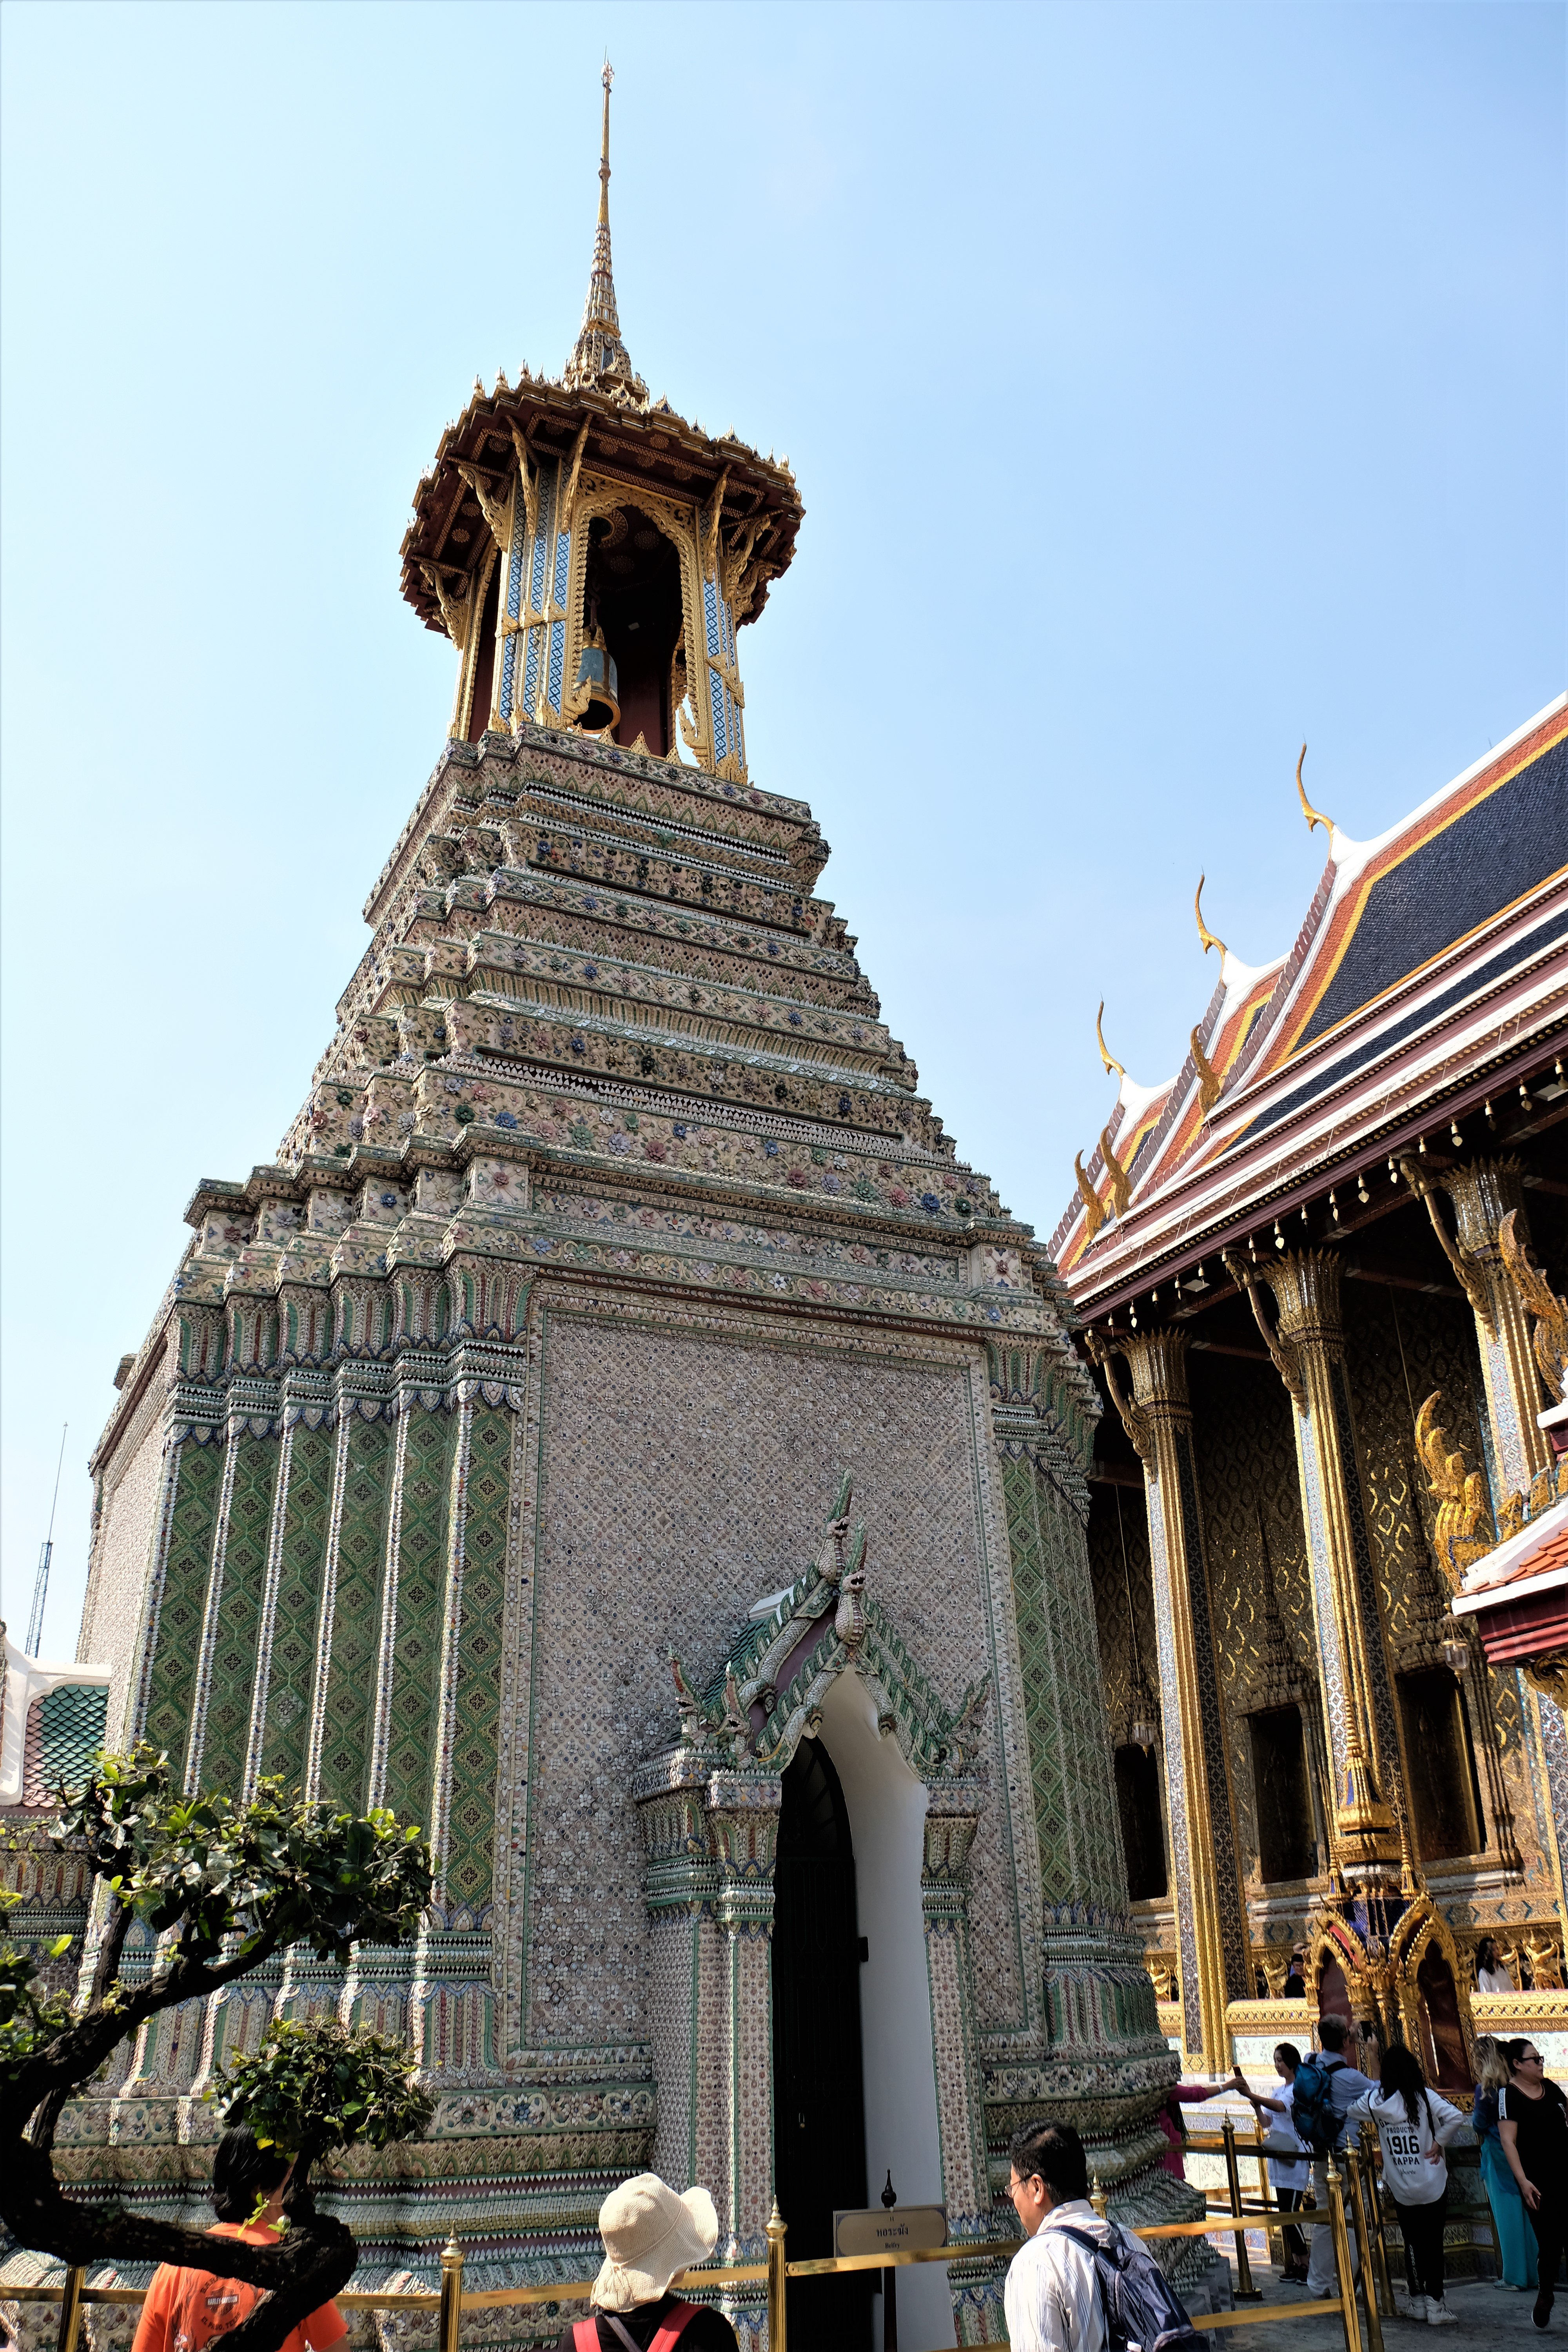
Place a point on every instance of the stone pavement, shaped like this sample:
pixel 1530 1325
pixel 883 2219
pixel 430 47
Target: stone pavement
pixel 1488 2316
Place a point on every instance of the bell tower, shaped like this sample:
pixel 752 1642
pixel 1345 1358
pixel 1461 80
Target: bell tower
pixel 592 556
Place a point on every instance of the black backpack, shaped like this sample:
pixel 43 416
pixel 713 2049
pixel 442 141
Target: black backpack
pixel 1141 2312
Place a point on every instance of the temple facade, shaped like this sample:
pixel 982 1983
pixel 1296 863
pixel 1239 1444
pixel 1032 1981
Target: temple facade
pixel 620 1433
pixel 1319 1274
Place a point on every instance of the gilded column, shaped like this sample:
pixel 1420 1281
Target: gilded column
pixel 1211 1928
pixel 1371 1830
pixel 1482 1194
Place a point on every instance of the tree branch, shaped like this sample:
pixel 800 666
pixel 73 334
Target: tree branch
pixel 304 2270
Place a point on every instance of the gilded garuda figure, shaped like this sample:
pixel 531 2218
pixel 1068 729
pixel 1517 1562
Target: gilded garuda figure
pixel 1464 1530
pixel 1548 1312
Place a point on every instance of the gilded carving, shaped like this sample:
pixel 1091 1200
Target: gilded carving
pixel 495 503
pixel 1209 1079
pixel 1121 1190
pixel 1472 1281
pixel 1464 1529
pixel 456 606
pixel 1134 1419
pixel 1548 1312
pixel 1287 1363
pixel 1093 1208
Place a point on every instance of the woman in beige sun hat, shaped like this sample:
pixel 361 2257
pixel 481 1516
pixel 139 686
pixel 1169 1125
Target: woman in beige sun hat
pixel 651 2235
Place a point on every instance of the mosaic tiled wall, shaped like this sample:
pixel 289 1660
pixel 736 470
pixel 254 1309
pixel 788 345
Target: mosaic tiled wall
pixel 182 1602
pixel 298 1607
pixel 348 1709
pixel 682 1479
pixel 1074 1799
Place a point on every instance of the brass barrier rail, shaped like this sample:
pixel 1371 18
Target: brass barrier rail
pixel 450 2300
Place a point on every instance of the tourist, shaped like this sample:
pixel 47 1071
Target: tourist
pixel 1295 1985
pixel 1172 2123
pixel 1322 2094
pixel 1415 2125
pixel 186 2308
pixel 1289 2158
pixel 1052 2294
pixel 651 2235
pixel 1533 2123
pixel 1515 2238
pixel 1491 1968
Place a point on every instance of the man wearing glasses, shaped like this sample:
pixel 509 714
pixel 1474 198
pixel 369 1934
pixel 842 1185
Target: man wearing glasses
pixel 1532 2124
pixel 1052 2296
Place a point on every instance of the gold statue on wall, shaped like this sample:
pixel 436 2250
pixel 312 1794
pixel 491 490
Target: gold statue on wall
pixel 1464 1530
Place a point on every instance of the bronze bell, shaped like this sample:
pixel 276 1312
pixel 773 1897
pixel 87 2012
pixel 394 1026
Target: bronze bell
pixel 596 675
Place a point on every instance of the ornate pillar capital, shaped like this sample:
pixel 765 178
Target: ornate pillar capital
pixel 1483 1193
pixel 1158 1362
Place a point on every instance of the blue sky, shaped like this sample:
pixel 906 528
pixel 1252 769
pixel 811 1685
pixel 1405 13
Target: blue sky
pixel 1165 386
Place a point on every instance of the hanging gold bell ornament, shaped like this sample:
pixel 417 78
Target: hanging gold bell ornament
pixel 597 676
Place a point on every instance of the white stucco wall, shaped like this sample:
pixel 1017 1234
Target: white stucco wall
pixel 887 1823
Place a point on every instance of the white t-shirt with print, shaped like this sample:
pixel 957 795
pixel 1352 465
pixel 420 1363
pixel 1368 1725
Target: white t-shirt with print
pixel 1409 2173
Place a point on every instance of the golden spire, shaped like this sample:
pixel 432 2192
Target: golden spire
pixel 607 77
pixel 1314 816
pixel 1108 1060
pixel 1205 933
pixel 599 358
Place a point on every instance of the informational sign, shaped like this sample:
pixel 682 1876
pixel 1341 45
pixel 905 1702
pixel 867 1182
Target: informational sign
pixel 901 2230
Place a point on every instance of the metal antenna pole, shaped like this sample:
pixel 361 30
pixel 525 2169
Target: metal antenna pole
pixel 41 1582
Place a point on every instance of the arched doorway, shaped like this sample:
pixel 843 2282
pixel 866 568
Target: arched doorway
pixel 819 2127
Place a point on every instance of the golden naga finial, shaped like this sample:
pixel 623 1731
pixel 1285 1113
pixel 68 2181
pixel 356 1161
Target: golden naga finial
pixel 1121 1190
pixel 1314 816
pixel 1209 1079
pixel 1462 1508
pixel 1108 1059
pixel 1205 933
pixel 1093 1206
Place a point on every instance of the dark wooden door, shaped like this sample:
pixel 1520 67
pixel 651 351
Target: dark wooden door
pixel 820 2117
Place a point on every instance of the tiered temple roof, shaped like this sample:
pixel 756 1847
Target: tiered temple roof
pixel 1432 960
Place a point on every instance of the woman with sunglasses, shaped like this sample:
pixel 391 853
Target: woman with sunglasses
pixel 1532 2124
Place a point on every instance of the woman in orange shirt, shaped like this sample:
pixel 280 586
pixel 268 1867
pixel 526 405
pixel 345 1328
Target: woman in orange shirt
pixel 184 2308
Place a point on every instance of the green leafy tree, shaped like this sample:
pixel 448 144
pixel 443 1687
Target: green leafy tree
pixel 223 1886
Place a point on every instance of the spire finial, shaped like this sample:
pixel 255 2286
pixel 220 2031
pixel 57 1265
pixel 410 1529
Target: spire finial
pixel 599 358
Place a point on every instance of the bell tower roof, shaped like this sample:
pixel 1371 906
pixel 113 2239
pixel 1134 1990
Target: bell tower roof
pixel 591 556
pixel 599 358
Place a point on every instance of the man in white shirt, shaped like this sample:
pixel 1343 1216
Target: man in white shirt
pixel 1052 2296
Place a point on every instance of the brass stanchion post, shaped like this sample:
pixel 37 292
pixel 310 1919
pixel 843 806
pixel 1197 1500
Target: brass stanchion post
pixel 778 2323
pixel 1370 2293
pixel 1374 2198
pixel 70 2306
pixel 451 2295
pixel 1346 2276
pixel 1275 2240
pixel 1244 2290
